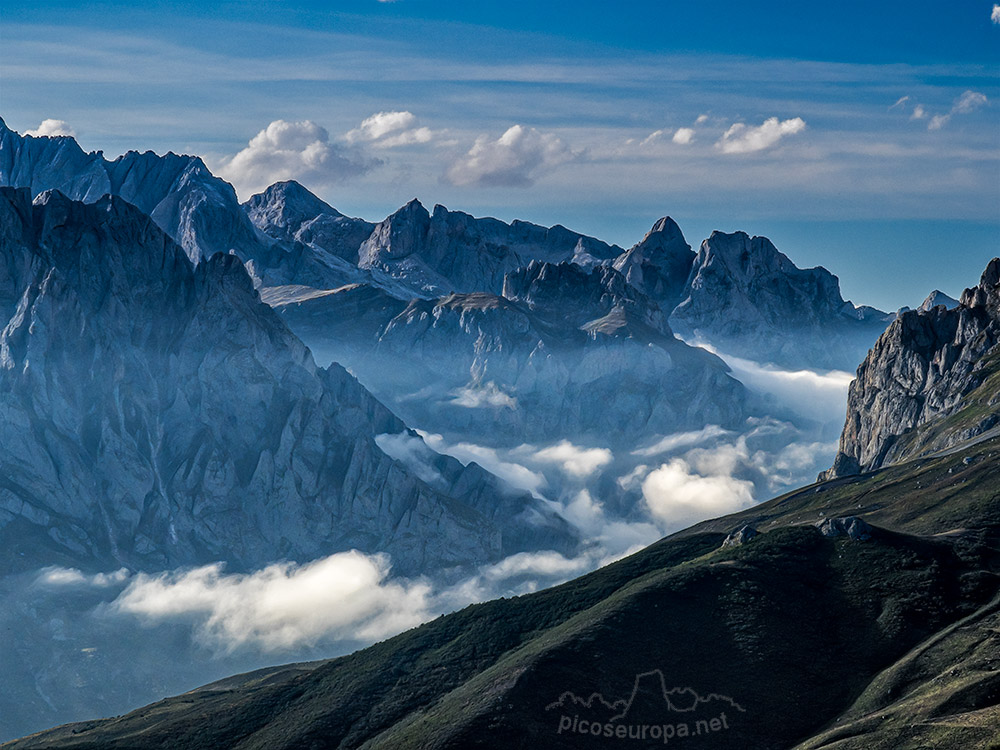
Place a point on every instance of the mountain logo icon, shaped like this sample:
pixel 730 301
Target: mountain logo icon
pixel 651 711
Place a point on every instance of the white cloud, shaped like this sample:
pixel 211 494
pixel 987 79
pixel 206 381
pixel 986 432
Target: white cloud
pixel 389 130
pixel 919 113
pixel 682 440
pixel 813 394
pixel 677 496
pixel 290 150
pixel 56 576
pixel 900 102
pixel 701 120
pixel 683 136
pixel 486 395
pixel 515 474
pixel 654 136
pixel 546 563
pixel 576 461
pixel 743 139
pixel 995 14
pixel 938 121
pixel 968 102
pixel 50 128
pixel 515 159
pixel 284 605
pixel 412 452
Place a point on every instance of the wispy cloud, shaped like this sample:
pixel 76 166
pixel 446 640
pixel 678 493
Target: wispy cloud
pixel 516 159
pixel 291 150
pixel 968 102
pixel 486 395
pixel 995 14
pixel 741 138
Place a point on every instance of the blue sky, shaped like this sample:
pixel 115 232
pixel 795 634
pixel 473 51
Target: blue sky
pixel 861 136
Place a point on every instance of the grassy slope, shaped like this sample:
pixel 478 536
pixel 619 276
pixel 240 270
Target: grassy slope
pixel 793 626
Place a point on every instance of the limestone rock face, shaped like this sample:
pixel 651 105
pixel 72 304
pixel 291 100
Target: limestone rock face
pixel 928 365
pixel 748 299
pixel 154 413
pixel 198 210
pixel 287 211
pixel 659 266
pixel 449 251
pixel 563 353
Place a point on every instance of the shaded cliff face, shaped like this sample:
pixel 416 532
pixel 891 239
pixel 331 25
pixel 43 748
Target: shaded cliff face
pixel 748 299
pixel 659 266
pixel 197 209
pixel 932 380
pixel 156 413
pixel 287 211
pixel 563 353
pixel 449 251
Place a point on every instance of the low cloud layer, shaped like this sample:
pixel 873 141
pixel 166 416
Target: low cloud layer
pixel 413 453
pixel 487 395
pixel 50 128
pixel 516 159
pixel 677 495
pixel 345 596
pixel 576 461
pixel 291 151
pixel 741 138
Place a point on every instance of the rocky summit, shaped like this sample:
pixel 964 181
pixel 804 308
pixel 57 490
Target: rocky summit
pixel 156 413
pixel 932 381
pixel 747 298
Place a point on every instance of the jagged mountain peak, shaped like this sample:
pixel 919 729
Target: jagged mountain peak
pixel 987 292
pixel 927 384
pixel 286 206
pixel 935 298
pixel 660 264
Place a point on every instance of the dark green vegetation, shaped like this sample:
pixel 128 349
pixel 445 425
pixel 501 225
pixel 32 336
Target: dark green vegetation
pixel 886 642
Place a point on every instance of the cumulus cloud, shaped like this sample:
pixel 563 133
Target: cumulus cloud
pixel 919 113
pixel 291 150
pixel 284 605
pixel 995 14
pixel 480 396
pixel 683 136
pixel 516 159
pixel 412 452
pixel 50 128
pixel 679 496
pixel 741 138
pixel 701 120
pixel 576 461
pixel 389 130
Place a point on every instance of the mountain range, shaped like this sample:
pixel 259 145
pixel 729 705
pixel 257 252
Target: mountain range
pixel 188 380
pixel 857 613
